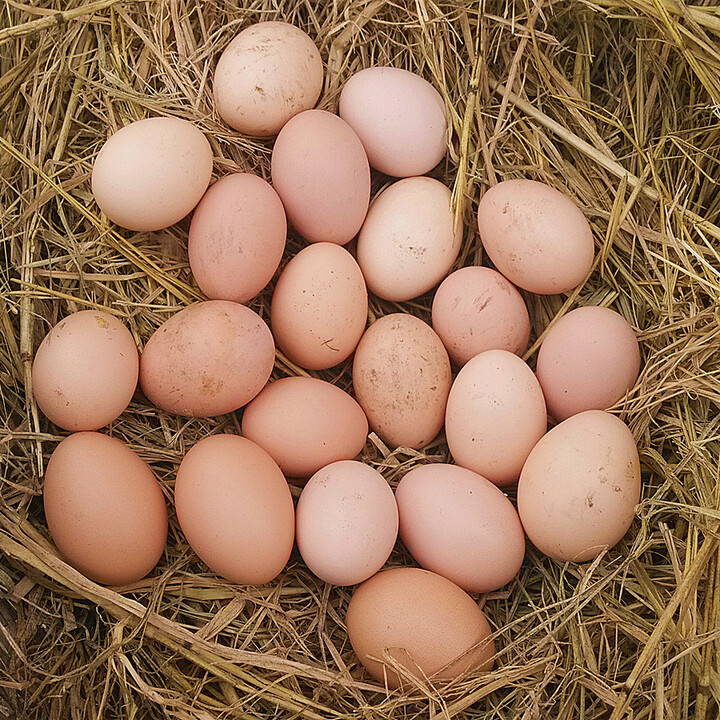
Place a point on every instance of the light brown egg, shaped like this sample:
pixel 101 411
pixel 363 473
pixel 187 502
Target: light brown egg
pixel 104 509
pixel 461 526
pixel 347 522
pixel 321 173
pixel 537 237
pixel 579 487
pixel 152 173
pixel 495 416
pixel 589 359
pixel 422 622
pixel 305 424
pixel 400 118
pixel 319 307
pixel 268 73
pixel 235 509
pixel 407 244
pixel 401 375
pixel 236 238
pixel 208 359
pixel 85 371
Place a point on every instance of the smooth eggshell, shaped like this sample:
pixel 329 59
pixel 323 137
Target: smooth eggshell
pixel 208 359
pixel 85 371
pixel 477 309
pixel 347 522
pixel 401 376
pixel 321 173
pixel 537 237
pixel 268 73
pixel 407 244
pixel 400 118
pixel 461 526
pixel 305 424
pixel 236 238
pixel 589 359
pixel 495 416
pixel 152 173
pixel 235 509
pixel 319 307
pixel 421 621
pixel 579 487
pixel 104 509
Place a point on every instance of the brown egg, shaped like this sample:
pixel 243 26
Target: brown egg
pixel 589 359
pixel 235 509
pixel 401 375
pixel 268 73
pixel 421 621
pixel 152 173
pixel 305 424
pixel 104 509
pixel 319 307
pixel 208 359
pixel 85 371
pixel 579 487
pixel 236 238
pixel 321 173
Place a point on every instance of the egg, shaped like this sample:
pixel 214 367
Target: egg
pixel 305 424
pixel 319 307
pixel 235 509
pixel 589 360
pixel 495 416
pixel 579 487
pixel 401 376
pixel 321 173
pixel 85 371
pixel 400 118
pixel 477 309
pixel 152 173
pixel 537 237
pixel 104 508
pixel 407 244
pixel 208 359
pixel 461 526
pixel 236 238
pixel 347 522
pixel 418 625
pixel 268 73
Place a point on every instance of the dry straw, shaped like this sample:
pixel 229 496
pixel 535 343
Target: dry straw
pixel 617 103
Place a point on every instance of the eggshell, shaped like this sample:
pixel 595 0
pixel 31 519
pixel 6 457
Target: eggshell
pixel 85 371
pixel 347 522
pixel 235 509
pixel 537 237
pixel 495 416
pixel 208 359
pixel 104 509
pixel 477 309
pixel 399 117
pixel 407 244
pixel 459 525
pixel 401 375
pixel 421 621
pixel 579 487
pixel 319 307
pixel 268 73
pixel 589 359
pixel 152 173
pixel 305 424
pixel 321 173
pixel 237 238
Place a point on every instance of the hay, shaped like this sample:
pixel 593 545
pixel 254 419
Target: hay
pixel 617 103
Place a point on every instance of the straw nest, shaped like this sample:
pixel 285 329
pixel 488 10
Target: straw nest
pixel 615 102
